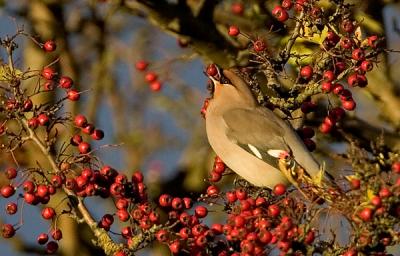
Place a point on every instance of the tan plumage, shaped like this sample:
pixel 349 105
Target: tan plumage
pixel 247 136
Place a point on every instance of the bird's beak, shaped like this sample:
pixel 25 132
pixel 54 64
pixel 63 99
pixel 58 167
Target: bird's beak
pixel 217 86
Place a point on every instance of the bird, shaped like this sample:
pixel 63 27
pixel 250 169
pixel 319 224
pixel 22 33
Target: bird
pixel 249 138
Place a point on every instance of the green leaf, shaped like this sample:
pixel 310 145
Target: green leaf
pixel 7 75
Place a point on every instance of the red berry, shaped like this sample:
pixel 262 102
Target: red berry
pixel 80 121
pixel 29 186
pixel 65 82
pixel 239 221
pixel 332 37
pixel 126 232
pixel 376 201
pixel 340 66
pixel 346 43
pixel 279 189
pixel 123 215
pixel 231 196
pixel 385 192
pixel 396 167
pixel 362 81
pixel 48 213
pixel 177 203
pixel 355 183
pixel 261 201
pixel 358 54
pixel 316 12
pixel 337 89
pixel 76 139
pixel 350 252
pixel 280 13
pixel 349 105
pixel 366 214
pixel 287 4
pixel 241 194
pixel 326 87
pixel 165 200
pixel 309 237
pixel 30 198
pixel 201 211
pixel 33 122
pixel 137 177
pixel 27 106
pixel 373 41
pixel 237 8
pixel 308 106
pixel 352 80
pixel 306 72
pixel 214 176
pixel 107 220
pixel 184 233
pixel 7 191
pixel 42 190
pixel 329 76
pixel 11 173
pixel 11 208
pixel 259 45
pixel 51 247
pixel 73 95
pixel 88 129
pixel 43 119
pixel 49 46
pixel 119 253
pixel 175 247
pixel 233 31
pixel 347 25
pixel 212 70
pixel 219 167
pixel 284 246
pixel 154 217
pixel 97 134
pixel 346 95
pixel 337 113
pixel 84 147
pixel 264 236
pixel 273 210
pixel 56 234
pixel 187 202
pixel 48 73
pixel 366 66
pixel 141 65
pixel 150 77
pixel 212 191
pixel 217 228
pixel 48 86
pixel 155 86
pixel 245 205
pixel 162 235
pixel 42 238
pixel 8 230
pixel 325 128
pixel 299 6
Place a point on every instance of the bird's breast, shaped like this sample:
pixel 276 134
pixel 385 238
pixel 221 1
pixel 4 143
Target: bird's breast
pixel 248 166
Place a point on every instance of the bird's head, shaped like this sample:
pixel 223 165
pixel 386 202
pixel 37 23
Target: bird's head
pixel 231 88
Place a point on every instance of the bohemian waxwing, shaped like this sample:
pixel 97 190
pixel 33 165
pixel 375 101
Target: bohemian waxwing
pixel 250 138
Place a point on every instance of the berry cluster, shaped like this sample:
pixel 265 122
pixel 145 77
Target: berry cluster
pixel 150 76
pixel 255 225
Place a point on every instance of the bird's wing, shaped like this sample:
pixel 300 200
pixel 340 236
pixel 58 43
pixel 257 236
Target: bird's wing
pixel 259 131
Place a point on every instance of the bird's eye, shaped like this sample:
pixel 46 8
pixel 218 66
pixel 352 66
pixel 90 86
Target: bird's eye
pixel 224 80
